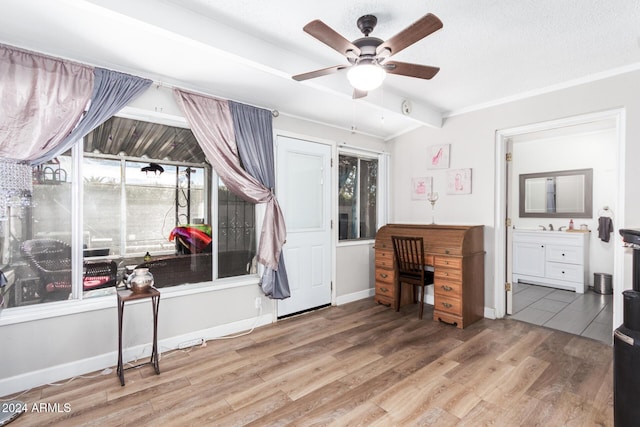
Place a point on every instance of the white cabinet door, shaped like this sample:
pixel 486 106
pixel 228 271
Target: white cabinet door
pixel 528 259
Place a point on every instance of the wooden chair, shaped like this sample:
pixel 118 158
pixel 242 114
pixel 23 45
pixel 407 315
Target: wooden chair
pixel 410 267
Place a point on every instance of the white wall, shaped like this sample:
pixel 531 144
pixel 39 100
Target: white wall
pixel 472 139
pixel 43 350
pixel 596 150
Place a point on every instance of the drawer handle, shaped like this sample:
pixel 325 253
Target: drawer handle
pixel 384 290
pixel 447 305
pixel 383 275
pixel 446 288
pixel 446 263
pixel 445 274
pixel 448 323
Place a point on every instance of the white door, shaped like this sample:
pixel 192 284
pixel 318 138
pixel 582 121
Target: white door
pixel 303 187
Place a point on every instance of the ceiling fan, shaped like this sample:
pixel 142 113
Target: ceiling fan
pixel 368 56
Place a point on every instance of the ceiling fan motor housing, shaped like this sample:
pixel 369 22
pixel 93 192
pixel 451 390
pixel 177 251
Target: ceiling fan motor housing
pixel 367 23
pixel 367 46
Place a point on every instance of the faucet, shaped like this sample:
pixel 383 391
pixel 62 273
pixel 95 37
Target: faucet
pixel 543 227
pixel 561 227
pixel 550 227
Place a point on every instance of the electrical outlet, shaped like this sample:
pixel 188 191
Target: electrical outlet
pixel 258 302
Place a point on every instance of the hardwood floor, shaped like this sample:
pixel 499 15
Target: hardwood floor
pixel 357 364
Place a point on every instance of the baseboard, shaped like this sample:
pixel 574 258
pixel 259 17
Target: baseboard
pixel 356 296
pixel 490 313
pixel 101 362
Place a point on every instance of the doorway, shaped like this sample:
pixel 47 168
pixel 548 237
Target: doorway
pixel 509 298
pixel 303 186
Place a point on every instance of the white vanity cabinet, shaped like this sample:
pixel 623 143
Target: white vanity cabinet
pixel 551 258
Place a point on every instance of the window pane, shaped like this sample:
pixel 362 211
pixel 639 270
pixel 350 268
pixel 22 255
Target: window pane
pixel 35 241
pixel 347 197
pixel 151 199
pixel 304 210
pixel 102 206
pixel 146 201
pixel 357 197
pixel 368 198
pixel 236 234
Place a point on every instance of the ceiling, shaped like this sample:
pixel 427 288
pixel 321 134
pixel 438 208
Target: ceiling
pixel 488 51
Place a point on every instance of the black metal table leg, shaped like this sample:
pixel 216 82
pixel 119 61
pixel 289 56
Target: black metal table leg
pixel 123 297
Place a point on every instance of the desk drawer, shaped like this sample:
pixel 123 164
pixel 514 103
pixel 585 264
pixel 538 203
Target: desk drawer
pixel 448 289
pixel 384 289
pixel 447 304
pixel 387 276
pixel 447 262
pixel 447 274
pixel 381 299
pixel 384 259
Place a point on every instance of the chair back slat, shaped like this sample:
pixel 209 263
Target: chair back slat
pixel 409 254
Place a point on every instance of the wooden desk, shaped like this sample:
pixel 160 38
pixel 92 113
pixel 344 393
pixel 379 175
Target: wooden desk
pixel 456 253
pixel 123 297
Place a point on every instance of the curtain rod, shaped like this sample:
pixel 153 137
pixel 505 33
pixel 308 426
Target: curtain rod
pixel 159 84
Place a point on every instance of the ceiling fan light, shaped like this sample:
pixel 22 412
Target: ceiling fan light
pixel 366 77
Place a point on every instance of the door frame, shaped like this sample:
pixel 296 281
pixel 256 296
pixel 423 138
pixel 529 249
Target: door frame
pixel 332 203
pixel 500 233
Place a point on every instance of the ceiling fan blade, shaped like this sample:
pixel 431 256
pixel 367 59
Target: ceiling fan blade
pixel 357 93
pixel 331 38
pixel 318 73
pixel 414 32
pixel 411 70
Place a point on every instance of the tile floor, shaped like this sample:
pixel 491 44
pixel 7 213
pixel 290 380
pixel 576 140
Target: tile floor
pixel 589 314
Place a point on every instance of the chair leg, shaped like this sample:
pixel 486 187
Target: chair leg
pixel 398 287
pixel 421 303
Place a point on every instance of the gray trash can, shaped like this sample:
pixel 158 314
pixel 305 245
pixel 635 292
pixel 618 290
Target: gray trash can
pixel 602 283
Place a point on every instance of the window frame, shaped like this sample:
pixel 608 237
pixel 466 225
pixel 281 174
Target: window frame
pixel 382 209
pixel 78 304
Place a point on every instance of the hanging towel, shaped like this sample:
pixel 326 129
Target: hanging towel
pixel 605 228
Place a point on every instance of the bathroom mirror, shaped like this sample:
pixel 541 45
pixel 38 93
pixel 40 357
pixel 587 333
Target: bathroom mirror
pixel 558 194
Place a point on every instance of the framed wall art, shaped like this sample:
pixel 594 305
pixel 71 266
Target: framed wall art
pixel 439 156
pixel 459 181
pixel 420 187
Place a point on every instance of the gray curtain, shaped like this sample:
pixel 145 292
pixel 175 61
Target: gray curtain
pixel 111 92
pixel 211 123
pixel 254 138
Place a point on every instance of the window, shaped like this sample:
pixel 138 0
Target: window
pixel 236 234
pixel 357 197
pixel 145 195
